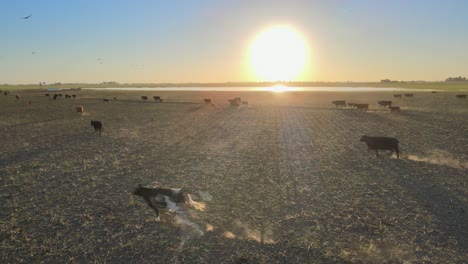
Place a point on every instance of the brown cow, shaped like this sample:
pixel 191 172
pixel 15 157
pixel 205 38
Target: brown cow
pixel 207 100
pixel 17 97
pixel 79 109
pixel 461 95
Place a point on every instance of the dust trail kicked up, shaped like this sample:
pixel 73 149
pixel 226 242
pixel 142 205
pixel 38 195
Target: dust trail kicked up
pixel 440 157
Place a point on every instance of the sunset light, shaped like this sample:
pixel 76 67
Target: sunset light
pixel 278 53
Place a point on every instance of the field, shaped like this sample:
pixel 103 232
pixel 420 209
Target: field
pixel 284 179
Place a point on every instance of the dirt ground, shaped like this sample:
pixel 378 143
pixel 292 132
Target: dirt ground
pixel 284 178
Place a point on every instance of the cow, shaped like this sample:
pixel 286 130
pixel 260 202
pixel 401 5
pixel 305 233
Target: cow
pixel 55 96
pixel 47 94
pixel 157 98
pixel 67 96
pixel 460 96
pixel 207 100
pixel 434 92
pixel 79 109
pixel 385 103
pixel 381 143
pixel 17 97
pixel 397 95
pixel 97 126
pixel 409 95
pixel 106 100
pixel 74 95
pixel 115 98
pixel 5 93
pixel 164 198
pixel 362 106
pixel 60 95
pixel 394 109
pixel 235 101
pixel 144 97
pixel 245 102
pixel 339 103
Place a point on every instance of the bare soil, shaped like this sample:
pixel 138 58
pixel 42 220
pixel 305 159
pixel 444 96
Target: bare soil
pixel 284 178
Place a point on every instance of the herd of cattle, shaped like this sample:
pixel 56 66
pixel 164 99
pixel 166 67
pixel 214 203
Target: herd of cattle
pixel 343 104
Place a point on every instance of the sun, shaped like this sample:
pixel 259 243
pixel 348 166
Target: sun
pixel 278 53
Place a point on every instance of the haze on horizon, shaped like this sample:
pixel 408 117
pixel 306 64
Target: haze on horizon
pixel 209 41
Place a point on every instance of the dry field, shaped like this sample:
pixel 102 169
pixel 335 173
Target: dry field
pixel 284 179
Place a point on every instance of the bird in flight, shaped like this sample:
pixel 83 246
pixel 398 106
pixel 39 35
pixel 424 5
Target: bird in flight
pixel 26 17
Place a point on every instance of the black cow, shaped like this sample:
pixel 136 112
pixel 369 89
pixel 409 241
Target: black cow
pixel 381 143
pixel 461 95
pixel 362 106
pixel 339 103
pixel 97 126
pixel 394 109
pixel 55 96
pixel 235 101
pixel 163 198
pixel 385 103
pixel 74 95
pixel 47 94
pixel 106 100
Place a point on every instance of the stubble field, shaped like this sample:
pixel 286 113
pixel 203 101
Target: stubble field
pixel 284 178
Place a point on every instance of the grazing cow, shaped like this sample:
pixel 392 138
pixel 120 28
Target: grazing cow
pixel 164 198
pixel 461 95
pixel 409 95
pixel 79 109
pixel 67 96
pixel 234 102
pixel 339 103
pixel 394 109
pixel 5 93
pixel 207 100
pixel 397 95
pixel 17 97
pixel 245 102
pixel 385 103
pixel 381 143
pixel 97 126
pixel 362 106
pixel 144 97
pixel 157 98
pixel 106 100
pixel 47 94
pixel 55 96
pixel 74 95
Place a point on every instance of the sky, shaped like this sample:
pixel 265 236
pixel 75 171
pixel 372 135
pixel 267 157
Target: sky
pixel 152 41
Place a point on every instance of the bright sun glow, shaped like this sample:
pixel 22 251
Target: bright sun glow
pixel 278 54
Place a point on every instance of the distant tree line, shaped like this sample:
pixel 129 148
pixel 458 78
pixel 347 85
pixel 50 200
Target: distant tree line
pixel 391 81
pixel 456 79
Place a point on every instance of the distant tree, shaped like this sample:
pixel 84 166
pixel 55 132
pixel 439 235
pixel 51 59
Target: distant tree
pixel 456 79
